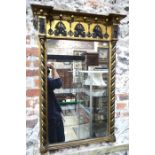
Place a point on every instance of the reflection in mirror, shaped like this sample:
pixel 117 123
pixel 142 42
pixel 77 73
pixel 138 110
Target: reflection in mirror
pixel 79 107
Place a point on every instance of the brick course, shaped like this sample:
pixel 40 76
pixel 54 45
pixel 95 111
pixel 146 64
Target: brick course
pixel 32 52
pixel 121 106
pixel 30 72
pixel 32 92
pixel 37 83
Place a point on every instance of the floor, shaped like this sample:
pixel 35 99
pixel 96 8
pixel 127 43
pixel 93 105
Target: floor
pixel 78 124
pixel 74 130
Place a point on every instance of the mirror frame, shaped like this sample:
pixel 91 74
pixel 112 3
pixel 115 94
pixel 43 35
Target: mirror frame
pixel 45 22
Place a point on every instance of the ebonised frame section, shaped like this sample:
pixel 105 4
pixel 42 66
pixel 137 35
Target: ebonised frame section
pixel 65 58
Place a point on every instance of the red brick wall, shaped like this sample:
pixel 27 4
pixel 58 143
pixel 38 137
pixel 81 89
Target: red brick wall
pixel 32 86
pixel 121 105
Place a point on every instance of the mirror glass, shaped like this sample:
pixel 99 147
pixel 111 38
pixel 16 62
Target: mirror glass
pixel 79 107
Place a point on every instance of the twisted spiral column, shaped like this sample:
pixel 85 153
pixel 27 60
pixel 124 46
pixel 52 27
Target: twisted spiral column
pixel 112 88
pixel 43 96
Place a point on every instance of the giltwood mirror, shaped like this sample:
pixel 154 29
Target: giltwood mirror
pixel 82 47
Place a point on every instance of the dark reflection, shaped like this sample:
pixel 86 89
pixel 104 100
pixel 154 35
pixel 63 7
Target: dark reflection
pixel 83 97
pixel 55 122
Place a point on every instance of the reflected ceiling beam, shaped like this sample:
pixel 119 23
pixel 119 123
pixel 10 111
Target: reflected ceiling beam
pixel 65 58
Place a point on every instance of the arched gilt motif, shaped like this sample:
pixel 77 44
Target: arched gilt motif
pixel 97 32
pixel 79 30
pixel 60 29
